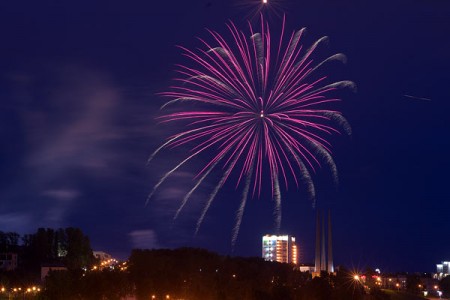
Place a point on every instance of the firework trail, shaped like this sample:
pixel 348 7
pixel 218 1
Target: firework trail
pixel 188 195
pixel 213 196
pixel 258 108
pixel 240 211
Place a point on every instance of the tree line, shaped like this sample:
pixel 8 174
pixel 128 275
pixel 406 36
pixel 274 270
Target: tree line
pixel 190 274
pixel 67 247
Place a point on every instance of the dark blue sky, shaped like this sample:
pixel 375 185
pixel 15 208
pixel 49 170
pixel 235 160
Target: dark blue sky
pixel 78 84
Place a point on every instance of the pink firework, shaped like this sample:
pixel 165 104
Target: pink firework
pixel 256 105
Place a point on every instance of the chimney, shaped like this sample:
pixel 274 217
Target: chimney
pixel 323 262
pixel 317 258
pixel 330 267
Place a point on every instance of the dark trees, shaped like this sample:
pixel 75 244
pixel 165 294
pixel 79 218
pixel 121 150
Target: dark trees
pixel 9 241
pixel 199 274
pixel 413 284
pixel 68 246
pixel 445 286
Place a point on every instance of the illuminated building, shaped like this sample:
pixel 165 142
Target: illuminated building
pixel 102 256
pixel 280 248
pixel 442 269
pixel 105 260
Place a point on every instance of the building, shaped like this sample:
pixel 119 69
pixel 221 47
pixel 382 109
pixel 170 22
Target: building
pixel 442 270
pixel 307 268
pixel 101 256
pixel 8 261
pixel 280 248
pixel 47 268
pixel 105 260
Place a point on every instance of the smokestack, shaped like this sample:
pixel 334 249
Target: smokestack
pixel 330 267
pixel 317 261
pixel 323 262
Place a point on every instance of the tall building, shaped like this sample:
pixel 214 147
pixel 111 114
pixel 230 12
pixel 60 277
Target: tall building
pixel 280 248
pixel 324 258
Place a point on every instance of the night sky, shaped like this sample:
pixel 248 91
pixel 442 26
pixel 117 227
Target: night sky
pixel 78 101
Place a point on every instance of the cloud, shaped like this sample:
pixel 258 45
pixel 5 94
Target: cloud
pixel 69 126
pixel 144 239
pixel 62 200
pixel 74 126
pixel 16 222
pixel 62 194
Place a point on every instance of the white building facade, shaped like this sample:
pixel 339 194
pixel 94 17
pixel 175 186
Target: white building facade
pixel 280 248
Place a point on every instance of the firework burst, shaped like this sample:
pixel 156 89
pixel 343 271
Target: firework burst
pixel 268 8
pixel 259 107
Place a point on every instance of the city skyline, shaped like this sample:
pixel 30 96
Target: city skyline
pixel 79 99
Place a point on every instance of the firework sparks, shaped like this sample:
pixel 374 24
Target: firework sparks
pixel 260 111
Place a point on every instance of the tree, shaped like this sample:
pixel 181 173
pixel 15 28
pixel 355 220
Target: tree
pixel 62 246
pixel 412 284
pixel 9 241
pixel 445 286
pixel 105 284
pixel 346 287
pixel 79 251
pixel 62 285
pixel 318 288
